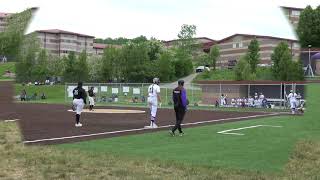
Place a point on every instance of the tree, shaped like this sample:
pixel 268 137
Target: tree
pixel 309 26
pixel 243 70
pixel 140 39
pixel 186 38
pixel 13 36
pixel 95 70
pixel 69 74
pixel 253 55
pixel 155 49
pixel 40 70
pixel 281 58
pixel 136 59
pixel 56 66
pixel 166 67
pixel 81 68
pixel 27 58
pixel 183 63
pixel 203 59
pixel 109 64
pixel 214 55
pixel 296 72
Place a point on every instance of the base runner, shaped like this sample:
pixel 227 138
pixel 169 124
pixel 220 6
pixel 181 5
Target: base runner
pixel 153 100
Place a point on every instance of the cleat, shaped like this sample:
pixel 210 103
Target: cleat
pixel 78 125
pixel 171 133
pixel 181 134
pixel 154 125
pixel 147 127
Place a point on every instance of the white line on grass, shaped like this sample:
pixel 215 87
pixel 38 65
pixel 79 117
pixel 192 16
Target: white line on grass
pixel 11 120
pixel 249 127
pixel 141 129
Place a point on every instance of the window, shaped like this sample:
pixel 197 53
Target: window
pixel 296 45
pixel 295 13
pixel 237 45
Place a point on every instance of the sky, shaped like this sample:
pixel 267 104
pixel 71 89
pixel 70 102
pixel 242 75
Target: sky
pixel 161 19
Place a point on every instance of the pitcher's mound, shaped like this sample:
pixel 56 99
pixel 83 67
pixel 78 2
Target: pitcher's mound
pixel 112 111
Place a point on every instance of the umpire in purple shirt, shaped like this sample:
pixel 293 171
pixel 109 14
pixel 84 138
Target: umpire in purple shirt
pixel 179 96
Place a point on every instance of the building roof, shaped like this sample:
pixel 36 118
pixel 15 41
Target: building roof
pixel 3 14
pixel 58 31
pixel 292 8
pixel 257 36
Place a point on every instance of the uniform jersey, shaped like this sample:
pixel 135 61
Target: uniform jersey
pixel 79 93
pixel 91 93
pixel 153 91
pixel 292 97
pixel 179 97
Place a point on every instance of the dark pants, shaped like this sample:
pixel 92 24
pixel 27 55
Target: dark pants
pixel 180 112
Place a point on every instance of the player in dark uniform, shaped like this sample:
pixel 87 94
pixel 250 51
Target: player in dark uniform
pixel 91 98
pixel 79 99
pixel 179 96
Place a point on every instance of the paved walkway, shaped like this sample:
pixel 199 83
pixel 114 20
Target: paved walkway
pixel 187 82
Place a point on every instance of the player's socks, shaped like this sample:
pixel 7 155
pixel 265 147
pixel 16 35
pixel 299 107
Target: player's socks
pixel 77 118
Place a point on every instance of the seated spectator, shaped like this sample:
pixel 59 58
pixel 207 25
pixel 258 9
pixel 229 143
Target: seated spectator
pixel 143 99
pixel 233 102
pixel 34 96
pixel 216 104
pixel 243 102
pixel 250 101
pixel 43 96
pixel 23 95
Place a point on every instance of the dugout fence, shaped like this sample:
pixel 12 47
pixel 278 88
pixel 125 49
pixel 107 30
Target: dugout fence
pixel 198 94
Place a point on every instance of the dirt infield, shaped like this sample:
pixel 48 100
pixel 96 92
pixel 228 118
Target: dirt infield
pixel 53 124
pixel 7 110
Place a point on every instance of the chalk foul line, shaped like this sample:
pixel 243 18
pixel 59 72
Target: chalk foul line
pixel 11 120
pixel 228 131
pixel 143 129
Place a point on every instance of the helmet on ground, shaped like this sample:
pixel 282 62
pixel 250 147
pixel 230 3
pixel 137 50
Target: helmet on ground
pixel 181 82
pixel 156 80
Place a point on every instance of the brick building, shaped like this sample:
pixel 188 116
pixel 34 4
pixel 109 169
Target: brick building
pixel 235 46
pixel 3 20
pixel 60 42
pixel 293 14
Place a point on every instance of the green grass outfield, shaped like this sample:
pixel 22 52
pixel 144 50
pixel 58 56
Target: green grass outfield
pixel 264 149
pixel 4 67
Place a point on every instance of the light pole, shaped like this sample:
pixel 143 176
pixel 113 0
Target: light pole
pixel 309 67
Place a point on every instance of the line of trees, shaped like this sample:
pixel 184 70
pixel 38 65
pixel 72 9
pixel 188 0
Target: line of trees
pixel 12 37
pixel 139 60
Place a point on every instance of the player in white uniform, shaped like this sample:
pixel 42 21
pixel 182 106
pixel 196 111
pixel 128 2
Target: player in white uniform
pixel 292 97
pixel 153 100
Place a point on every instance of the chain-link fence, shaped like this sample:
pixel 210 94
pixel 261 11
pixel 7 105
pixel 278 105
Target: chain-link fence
pixel 198 94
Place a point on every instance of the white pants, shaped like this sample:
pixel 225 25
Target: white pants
pixel 91 101
pixel 153 105
pixel 293 104
pixel 78 104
